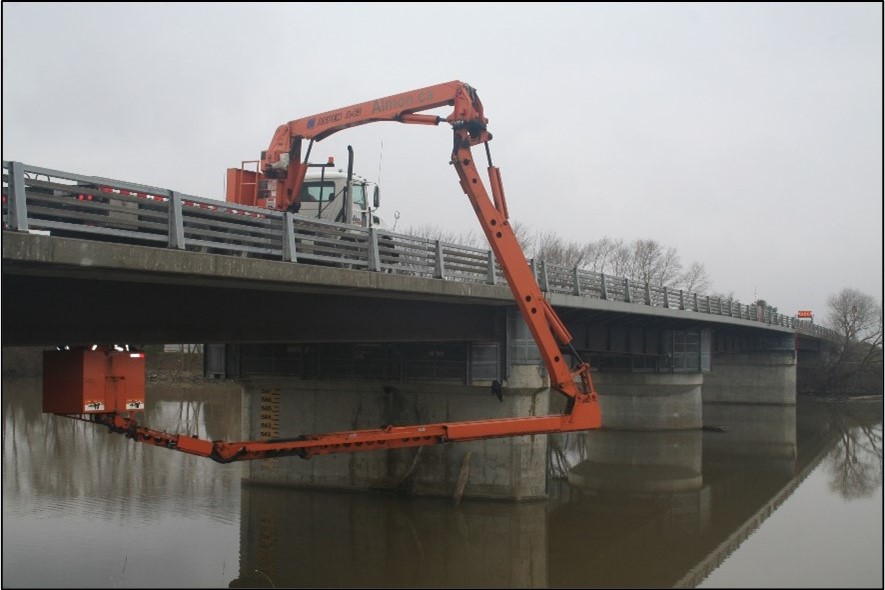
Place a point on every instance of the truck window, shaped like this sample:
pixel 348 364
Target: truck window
pixel 310 191
pixel 359 195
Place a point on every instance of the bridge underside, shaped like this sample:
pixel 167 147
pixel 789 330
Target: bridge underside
pixel 46 311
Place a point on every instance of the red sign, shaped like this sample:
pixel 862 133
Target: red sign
pixel 805 314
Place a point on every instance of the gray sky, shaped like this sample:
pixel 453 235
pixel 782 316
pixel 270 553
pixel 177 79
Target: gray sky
pixel 747 136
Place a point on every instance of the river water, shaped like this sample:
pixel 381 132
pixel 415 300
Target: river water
pixel 769 497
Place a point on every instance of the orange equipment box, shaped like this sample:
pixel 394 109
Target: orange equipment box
pixel 83 381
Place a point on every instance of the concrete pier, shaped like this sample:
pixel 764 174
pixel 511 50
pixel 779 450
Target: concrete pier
pixel 650 401
pixel 767 377
pixel 505 468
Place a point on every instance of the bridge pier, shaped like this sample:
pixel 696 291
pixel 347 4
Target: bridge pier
pixel 650 401
pixel 505 468
pixel 407 383
pixel 764 377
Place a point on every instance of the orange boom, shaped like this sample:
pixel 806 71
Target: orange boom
pixel 282 163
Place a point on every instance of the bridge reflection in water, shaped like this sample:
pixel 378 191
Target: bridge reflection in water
pixel 623 509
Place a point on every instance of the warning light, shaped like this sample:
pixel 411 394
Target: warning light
pixel 805 314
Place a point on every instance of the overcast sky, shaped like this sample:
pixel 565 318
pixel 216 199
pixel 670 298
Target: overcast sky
pixel 747 136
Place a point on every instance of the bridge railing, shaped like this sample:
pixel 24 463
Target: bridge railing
pixel 75 205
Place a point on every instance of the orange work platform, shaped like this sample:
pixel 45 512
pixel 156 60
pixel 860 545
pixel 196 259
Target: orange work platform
pixel 85 381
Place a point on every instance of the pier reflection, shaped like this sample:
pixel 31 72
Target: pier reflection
pixel 624 509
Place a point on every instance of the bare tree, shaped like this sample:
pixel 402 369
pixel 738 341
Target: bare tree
pixel 695 279
pixel 723 296
pixel 621 261
pixel 857 318
pixel 551 248
pixel 652 263
pixel 432 231
pixel 600 252
pixel 524 236
pixel 669 267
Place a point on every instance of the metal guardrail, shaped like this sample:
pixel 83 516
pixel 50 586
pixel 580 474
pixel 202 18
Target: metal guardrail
pixel 75 205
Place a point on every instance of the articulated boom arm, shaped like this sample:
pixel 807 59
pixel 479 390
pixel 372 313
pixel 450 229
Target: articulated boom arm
pixel 469 126
pixel 283 160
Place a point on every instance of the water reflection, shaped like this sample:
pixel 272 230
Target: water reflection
pixel 62 458
pixel 854 463
pixel 82 508
pixel 625 509
pixel 310 539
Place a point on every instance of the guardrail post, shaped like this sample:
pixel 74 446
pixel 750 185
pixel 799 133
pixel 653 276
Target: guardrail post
pixel 374 255
pixel 647 294
pixel 666 298
pixel 695 298
pixel 730 308
pixel 176 221
pixel 604 286
pixel 681 299
pixel 576 276
pixel 628 296
pixel 545 285
pixel 440 266
pixel 493 276
pixel 18 207
pixel 290 253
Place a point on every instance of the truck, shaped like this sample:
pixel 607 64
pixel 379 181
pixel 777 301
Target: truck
pixel 327 192
pixel 285 171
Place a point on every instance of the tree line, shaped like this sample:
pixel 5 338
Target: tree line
pixel 643 261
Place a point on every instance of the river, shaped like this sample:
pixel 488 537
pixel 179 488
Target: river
pixel 771 496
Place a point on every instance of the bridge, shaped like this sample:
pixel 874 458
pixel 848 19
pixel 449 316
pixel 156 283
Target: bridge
pixel 122 220
pixel 287 300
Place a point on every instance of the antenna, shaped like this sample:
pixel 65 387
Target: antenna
pixel 380 160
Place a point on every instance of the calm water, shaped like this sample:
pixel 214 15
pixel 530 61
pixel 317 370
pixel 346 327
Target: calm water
pixel 784 497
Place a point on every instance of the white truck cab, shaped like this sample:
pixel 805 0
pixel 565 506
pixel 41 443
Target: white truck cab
pixel 324 195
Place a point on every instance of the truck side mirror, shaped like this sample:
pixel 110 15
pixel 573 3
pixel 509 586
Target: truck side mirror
pixel 376 197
